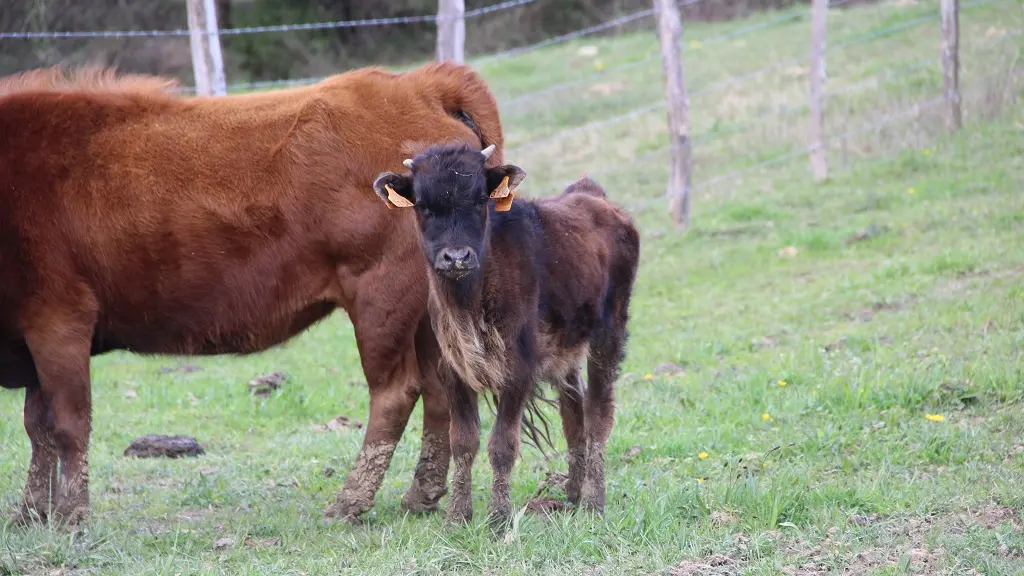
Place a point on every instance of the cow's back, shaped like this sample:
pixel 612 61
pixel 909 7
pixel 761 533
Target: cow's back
pixel 207 225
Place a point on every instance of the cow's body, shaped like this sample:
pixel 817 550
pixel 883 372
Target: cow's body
pixel 132 219
pixel 522 296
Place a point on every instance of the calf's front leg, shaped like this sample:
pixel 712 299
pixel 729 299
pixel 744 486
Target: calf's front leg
pixel 503 447
pixel 464 432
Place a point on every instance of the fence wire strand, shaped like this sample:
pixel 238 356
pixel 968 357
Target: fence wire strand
pixel 263 29
pixel 740 78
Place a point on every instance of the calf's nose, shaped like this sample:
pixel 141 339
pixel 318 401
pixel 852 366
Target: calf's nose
pixel 460 258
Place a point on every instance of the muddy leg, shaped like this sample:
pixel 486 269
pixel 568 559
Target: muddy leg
pixel 599 417
pixel 465 443
pixel 389 413
pixel 384 335
pixel 570 397
pixel 503 448
pixel 42 484
pixel 430 480
pixel 60 349
pixel 18 371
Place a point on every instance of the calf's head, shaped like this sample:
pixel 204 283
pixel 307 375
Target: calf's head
pixel 451 190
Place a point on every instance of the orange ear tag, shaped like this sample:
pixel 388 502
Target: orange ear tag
pixel 504 204
pixel 396 199
pixel 502 190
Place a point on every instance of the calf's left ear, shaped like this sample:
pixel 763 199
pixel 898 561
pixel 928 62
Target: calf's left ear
pixel 395 190
pixel 503 181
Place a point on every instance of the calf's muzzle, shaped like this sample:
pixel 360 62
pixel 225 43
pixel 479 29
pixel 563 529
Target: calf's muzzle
pixel 456 262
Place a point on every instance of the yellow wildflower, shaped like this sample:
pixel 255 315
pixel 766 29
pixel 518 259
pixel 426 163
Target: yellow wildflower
pixel 927 152
pixel 934 417
pixel 766 417
pixel 696 45
pixel 911 190
pixel 782 383
pixel 702 455
pixel 699 480
pixel 648 376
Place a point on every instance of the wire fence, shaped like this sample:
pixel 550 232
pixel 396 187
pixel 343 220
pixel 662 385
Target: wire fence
pixel 593 127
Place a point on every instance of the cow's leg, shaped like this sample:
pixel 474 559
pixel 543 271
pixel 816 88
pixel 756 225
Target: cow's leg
pixel 18 371
pixel 570 398
pixel 42 484
pixel 384 323
pixel 599 413
pixel 465 443
pixel 431 477
pixel 58 412
pixel 503 446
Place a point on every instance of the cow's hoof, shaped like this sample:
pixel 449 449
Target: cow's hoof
pixel 25 517
pixel 418 500
pixel 458 516
pixel 345 512
pixel 593 505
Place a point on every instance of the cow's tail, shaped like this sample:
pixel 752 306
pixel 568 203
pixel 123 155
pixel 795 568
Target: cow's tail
pixel 464 95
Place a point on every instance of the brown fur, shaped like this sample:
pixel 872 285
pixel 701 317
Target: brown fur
pixel 519 297
pixel 139 220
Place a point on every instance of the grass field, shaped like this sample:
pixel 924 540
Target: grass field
pixel 821 379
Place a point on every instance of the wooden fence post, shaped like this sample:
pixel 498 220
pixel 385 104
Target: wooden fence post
pixel 950 10
pixel 670 33
pixel 819 26
pixel 451 30
pixel 207 62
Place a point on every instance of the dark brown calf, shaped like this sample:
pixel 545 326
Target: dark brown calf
pixel 134 219
pixel 521 291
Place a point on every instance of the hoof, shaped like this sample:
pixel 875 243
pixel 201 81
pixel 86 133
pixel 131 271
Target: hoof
pixel 418 501
pixel 344 511
pixel 458 516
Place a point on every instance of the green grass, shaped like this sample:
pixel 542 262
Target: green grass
pixel 902 295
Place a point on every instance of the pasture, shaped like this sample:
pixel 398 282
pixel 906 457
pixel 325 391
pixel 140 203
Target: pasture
pixel 820 379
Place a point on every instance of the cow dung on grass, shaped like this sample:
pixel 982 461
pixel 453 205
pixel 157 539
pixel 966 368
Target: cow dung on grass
pixel 156 445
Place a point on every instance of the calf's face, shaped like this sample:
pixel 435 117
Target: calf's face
pixel 450 189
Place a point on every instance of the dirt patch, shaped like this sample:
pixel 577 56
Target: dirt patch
pixel 992 516
pixel 963 281
pixel 723 518
pixel 338 423
pixel 223 543
pixel 156 445
pixel 180 369
pixel 267 383
pixel 546 506
pixel 632 453
pixel 716 564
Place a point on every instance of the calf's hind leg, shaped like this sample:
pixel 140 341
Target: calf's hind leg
pixel 570 407
pixel 599 413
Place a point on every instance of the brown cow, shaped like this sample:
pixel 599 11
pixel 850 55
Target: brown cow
pixel 134 219
pixel 521 292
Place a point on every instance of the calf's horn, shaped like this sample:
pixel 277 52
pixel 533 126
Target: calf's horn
pixel 408 163
pixel 486 152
